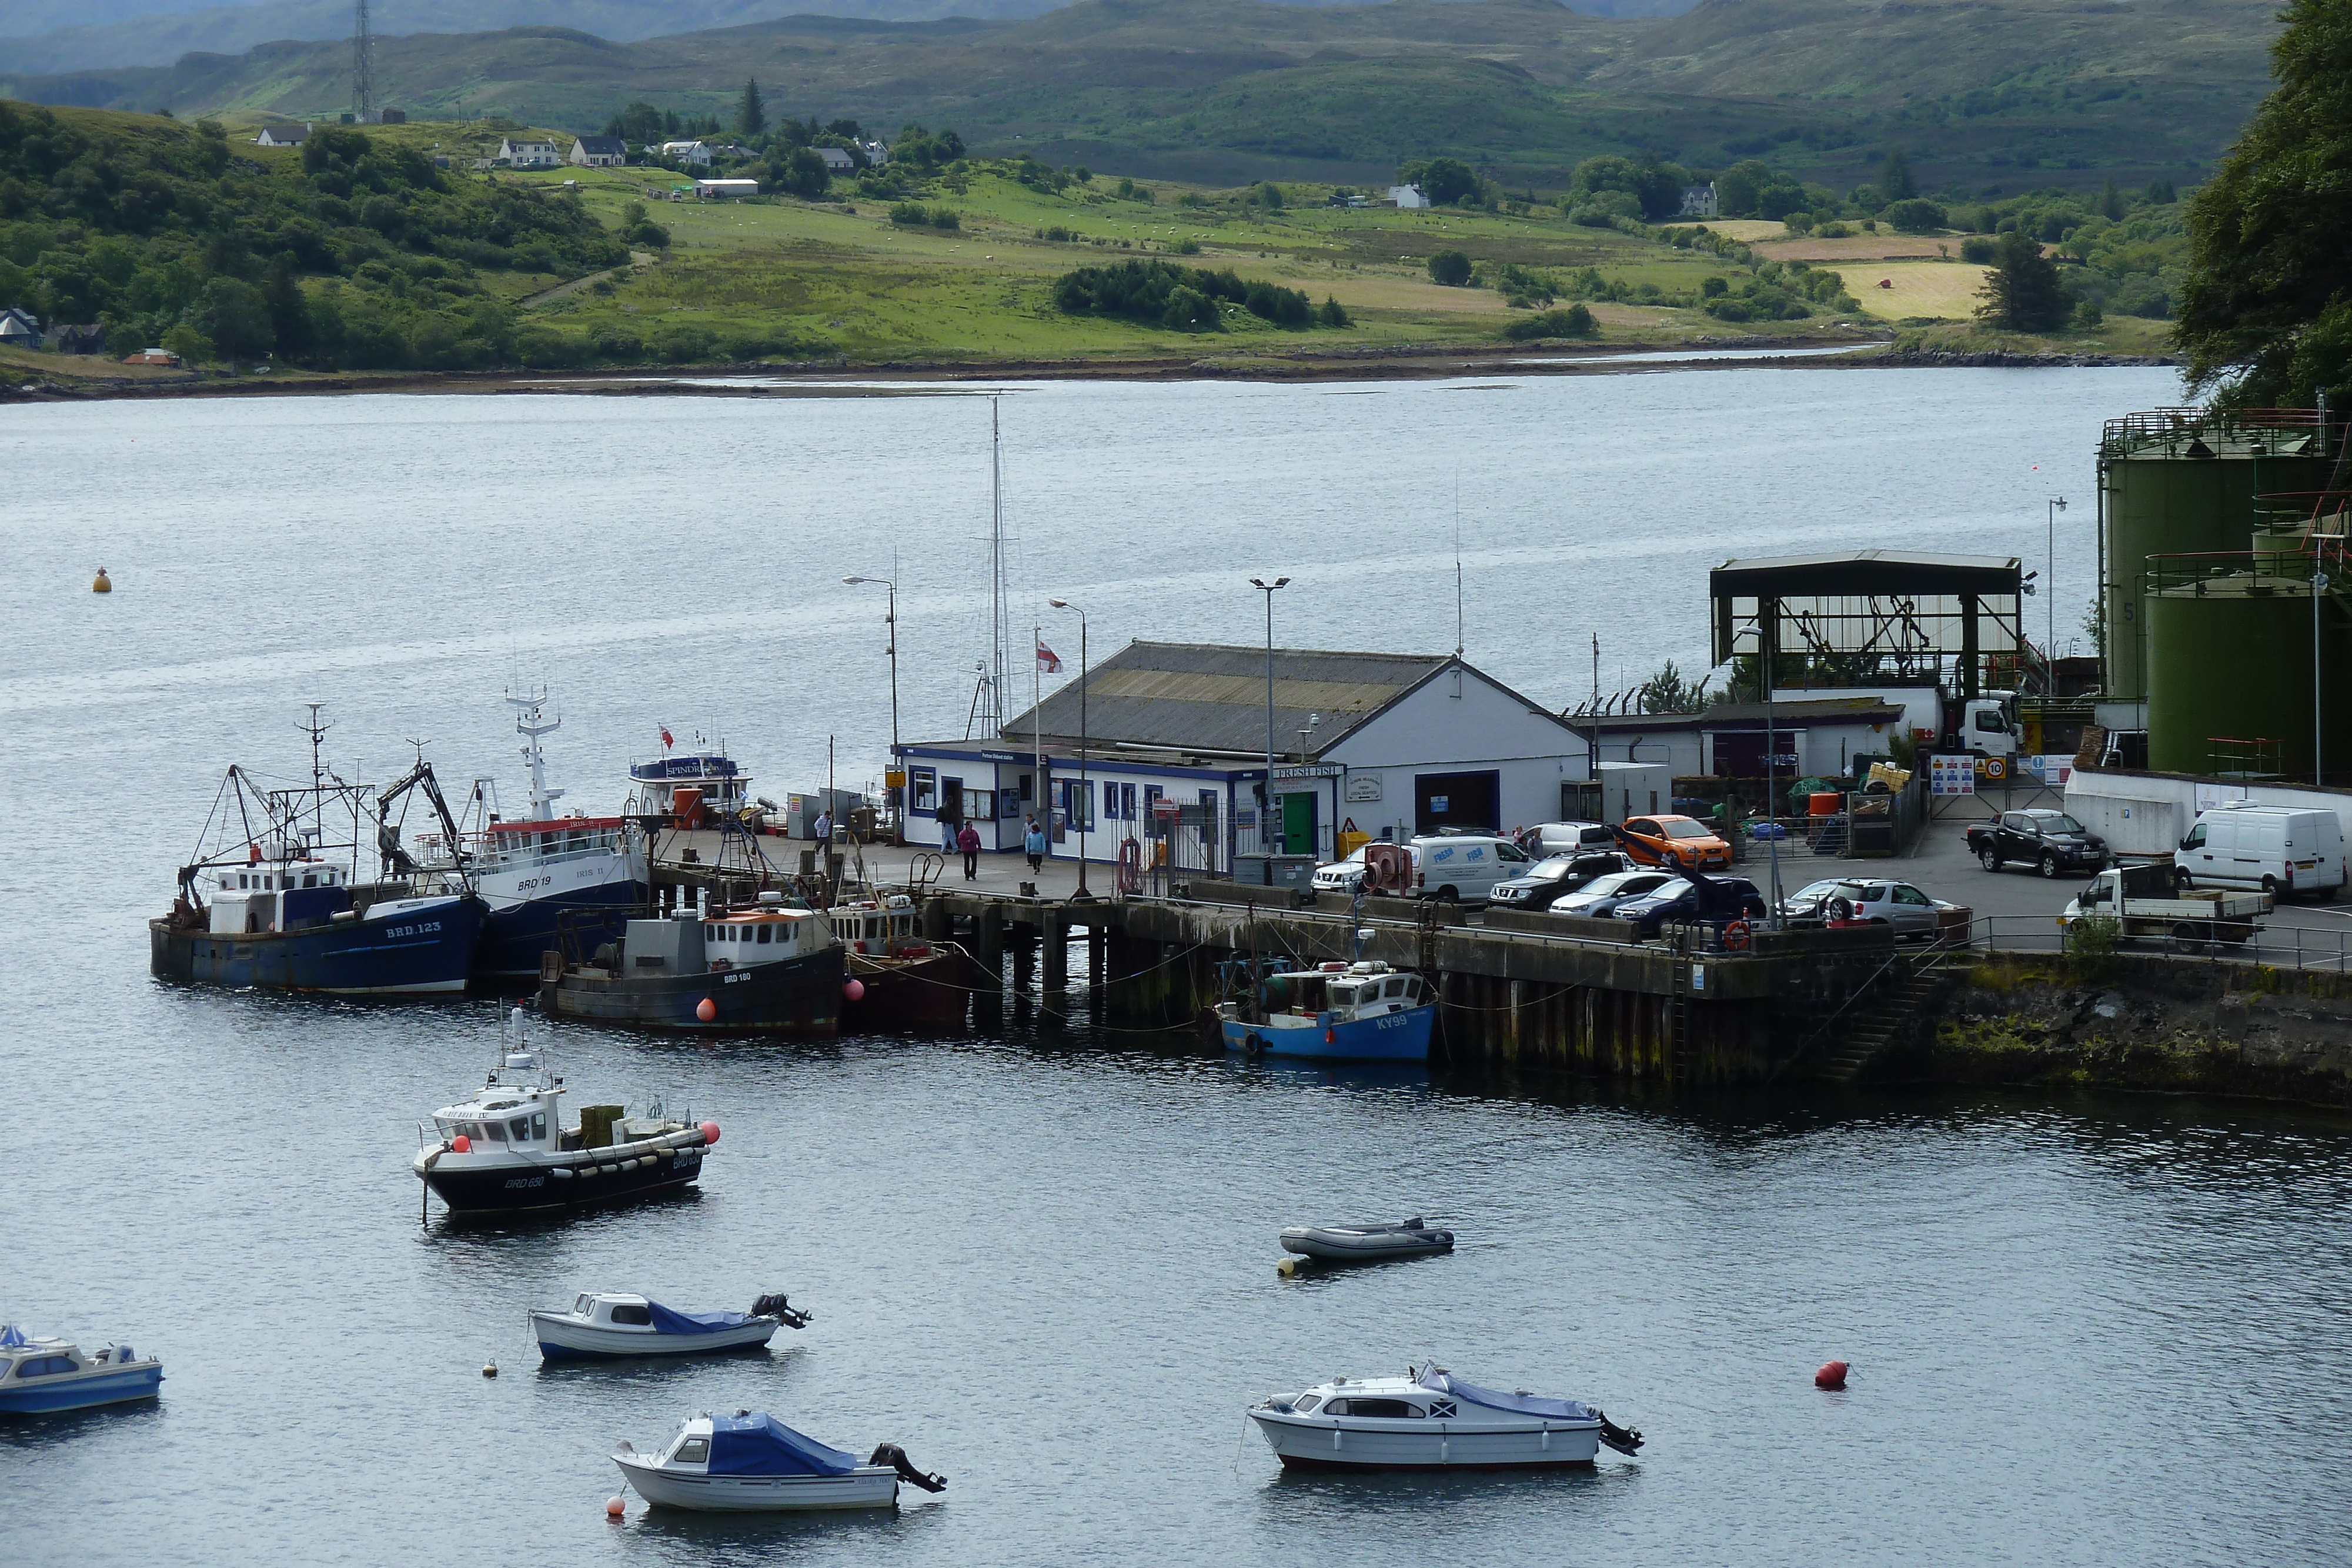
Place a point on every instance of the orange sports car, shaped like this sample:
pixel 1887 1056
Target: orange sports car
pixel 1682 843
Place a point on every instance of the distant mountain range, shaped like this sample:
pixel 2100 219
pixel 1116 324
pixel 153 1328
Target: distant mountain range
pixel 1982 93
pixel 49 36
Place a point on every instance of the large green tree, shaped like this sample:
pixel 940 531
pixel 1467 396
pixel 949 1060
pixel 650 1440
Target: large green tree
pixel 2022 292
pixel 2266 313
pixel 751 114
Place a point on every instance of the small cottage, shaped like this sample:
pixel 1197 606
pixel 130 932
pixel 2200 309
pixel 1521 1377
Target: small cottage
pixel 520 154
pixel 282 136
pixel 1408 196
pixel 697 153
pixel 599 152
pixel 837 161
pixel 1698 201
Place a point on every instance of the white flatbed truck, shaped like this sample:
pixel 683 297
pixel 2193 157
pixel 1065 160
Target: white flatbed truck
pixel 2143 899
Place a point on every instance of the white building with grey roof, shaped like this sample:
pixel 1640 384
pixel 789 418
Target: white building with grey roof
pixel 1175 741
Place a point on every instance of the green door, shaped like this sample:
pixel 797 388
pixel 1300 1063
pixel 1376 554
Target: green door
pixel 1298 824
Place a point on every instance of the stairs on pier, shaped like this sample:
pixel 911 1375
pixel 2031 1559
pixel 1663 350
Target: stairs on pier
pixel 1893 1018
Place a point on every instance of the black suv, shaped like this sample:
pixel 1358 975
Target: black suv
pixel 2051 842
pixel 1555 877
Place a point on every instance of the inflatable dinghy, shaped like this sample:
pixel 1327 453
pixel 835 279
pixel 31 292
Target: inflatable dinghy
pixel 1366 1243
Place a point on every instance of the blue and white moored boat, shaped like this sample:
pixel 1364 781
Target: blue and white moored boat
pixel 1357 1013
pixel 751 1462
pixel 1430 1419
pixel 38 1375
pixel 606 1325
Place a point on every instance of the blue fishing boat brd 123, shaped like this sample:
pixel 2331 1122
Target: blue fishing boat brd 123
pixel 273 898
pixel 1351 1012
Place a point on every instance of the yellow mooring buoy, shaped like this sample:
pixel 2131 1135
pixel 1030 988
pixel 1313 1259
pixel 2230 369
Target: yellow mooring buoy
pixel 104 584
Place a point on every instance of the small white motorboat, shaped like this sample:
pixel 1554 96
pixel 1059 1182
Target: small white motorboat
pixel 751 1462
pixel 1430 1419
pixel 602 1324
pixel 1366 1243
pixel 43 1374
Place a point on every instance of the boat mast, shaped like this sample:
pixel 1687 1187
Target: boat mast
pixel 990 708
pixel 318 733
pixel 527 721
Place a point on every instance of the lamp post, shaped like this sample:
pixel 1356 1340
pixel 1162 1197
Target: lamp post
pixel 2049 598
pixel 1086 790
pixel 2319 733
pixel 891 621
pixel 1265 792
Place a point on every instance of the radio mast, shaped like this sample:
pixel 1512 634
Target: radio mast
pixel 362 66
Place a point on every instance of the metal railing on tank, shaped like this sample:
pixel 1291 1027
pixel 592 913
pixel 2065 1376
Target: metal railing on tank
pixel 2258 431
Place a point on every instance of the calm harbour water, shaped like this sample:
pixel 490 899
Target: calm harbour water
pixel 2092 1331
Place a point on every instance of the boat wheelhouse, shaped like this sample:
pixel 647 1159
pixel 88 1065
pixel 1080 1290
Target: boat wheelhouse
pixel 37 1375
pixel 709 781
pixel 507 1147
pixel 1362 1012
pixel 768 968
pixel 904 979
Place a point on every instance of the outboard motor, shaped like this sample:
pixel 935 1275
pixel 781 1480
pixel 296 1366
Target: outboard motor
pixel 779 1307
pixel 893 1455
pixel 1627 1440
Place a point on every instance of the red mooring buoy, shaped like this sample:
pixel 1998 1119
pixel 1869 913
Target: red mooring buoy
pixel 1832 1374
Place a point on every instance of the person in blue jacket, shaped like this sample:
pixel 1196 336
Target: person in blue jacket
pixel 1034 842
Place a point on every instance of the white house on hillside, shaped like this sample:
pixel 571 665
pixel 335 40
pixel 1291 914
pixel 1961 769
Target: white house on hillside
pixel 695 153
pixel 1698 201
pixel 517 154
pixel 282 136
pixel 837 161
pixel 599 152
pixel 1407 196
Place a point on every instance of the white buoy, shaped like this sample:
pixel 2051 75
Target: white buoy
pixel 489 1369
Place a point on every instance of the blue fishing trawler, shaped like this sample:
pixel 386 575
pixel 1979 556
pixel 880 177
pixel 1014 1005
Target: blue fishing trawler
pixel 273 900
pixel 1349 1012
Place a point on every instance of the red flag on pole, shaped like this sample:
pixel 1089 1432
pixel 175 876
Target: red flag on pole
pixel 666 741
pixel 1048 661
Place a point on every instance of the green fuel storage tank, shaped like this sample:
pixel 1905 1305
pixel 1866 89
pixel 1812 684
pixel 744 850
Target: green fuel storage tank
pixel 2181 489
pixel 2230 661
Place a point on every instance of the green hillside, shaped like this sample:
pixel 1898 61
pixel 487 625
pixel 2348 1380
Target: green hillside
pixel 2008 93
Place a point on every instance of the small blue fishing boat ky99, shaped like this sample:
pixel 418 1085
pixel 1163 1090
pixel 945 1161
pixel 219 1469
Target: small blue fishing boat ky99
pixel 43 1374
pixel 1354 1012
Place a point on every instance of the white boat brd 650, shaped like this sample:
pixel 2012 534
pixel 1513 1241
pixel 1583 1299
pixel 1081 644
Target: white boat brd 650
pixel 751 1462
pixel 1432 1421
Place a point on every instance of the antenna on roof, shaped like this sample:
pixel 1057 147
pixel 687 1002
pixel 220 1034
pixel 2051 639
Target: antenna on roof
pixel 1457 561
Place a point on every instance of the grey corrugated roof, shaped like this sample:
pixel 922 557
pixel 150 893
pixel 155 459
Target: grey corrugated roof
pixel 1202 697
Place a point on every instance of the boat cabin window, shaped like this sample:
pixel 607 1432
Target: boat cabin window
pixel 45 1366
pixel 1394 988
pixel 539 1124
pixel 637 1316
pixel 1306 1402
pixel 583 1306
pixel 1393 1409
pixel 496 1130
pixel 694 1451
pixel 520 1128
pixel 763 934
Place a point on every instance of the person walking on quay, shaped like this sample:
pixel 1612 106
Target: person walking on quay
pixel 947 836
pixel 822 831
pixel 1033 843
pixel 968 840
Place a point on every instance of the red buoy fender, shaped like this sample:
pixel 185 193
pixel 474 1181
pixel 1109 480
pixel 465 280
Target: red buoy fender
pixel 1832 1374
pixel 711 1136
pixel 706 1009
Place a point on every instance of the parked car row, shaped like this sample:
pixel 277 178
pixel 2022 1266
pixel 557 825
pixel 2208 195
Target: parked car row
pixel 2279 850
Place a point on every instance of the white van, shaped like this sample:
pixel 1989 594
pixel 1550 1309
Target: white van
pixel 1464 868
pixel 2282 849
pixel 1546 839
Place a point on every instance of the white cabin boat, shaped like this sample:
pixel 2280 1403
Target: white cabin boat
pixel 711 781
pixel 1431 1420
pixel 38 1375
pixel 605 1324
pixel 751 1462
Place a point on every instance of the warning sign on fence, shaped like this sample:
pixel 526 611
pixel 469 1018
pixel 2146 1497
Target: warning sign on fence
pixel 1951 776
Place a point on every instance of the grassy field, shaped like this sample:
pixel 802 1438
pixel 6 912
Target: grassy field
pixel 840 276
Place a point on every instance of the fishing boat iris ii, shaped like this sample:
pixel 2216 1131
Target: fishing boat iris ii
pixel 506 1148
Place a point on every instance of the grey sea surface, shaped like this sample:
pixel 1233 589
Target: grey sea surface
pixel 2086 1330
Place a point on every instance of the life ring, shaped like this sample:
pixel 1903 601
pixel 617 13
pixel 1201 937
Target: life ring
pixel 1734 935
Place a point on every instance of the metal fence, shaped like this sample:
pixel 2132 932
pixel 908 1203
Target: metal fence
pixel 2278 946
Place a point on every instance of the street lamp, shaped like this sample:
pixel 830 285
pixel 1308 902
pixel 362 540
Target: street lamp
pixel 2050 599
pixel 1265 792
pixel 1086 790
pixel 2318 732
pixel 891 619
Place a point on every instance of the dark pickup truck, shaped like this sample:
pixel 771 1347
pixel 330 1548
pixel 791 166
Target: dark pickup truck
pixel 2051 842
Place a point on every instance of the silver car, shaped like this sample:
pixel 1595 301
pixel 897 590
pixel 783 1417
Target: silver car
pixel 1911 912
pixel 1610 888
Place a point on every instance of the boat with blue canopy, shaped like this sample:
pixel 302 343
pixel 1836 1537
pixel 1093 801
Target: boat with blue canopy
pixel 751 1462
pixel 605 1325
pixel 38 1375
